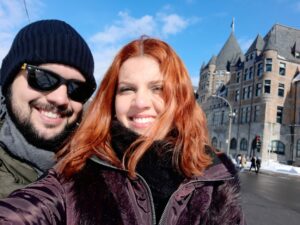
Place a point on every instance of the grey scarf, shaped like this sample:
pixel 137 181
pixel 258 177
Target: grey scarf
pixel 16 144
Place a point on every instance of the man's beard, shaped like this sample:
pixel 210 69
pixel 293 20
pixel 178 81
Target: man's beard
pixel 32 135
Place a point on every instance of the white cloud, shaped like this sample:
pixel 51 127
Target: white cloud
pixel 195 80
pixel 103 58
pixel 173 24
pixel 245 43
pixel 12 17
pixel 106 43
pixel 11 14
pixel 126 27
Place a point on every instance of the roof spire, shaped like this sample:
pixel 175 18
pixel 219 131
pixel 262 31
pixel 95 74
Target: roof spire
pixel 232 24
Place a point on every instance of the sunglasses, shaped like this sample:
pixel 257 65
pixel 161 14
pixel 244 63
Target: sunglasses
pixel 44 80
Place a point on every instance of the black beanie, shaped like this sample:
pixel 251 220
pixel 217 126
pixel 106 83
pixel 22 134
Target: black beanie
pixel 47 41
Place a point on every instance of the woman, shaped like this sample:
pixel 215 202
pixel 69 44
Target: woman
pixel 140 156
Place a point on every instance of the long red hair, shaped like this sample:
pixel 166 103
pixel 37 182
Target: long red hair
pixel 182 114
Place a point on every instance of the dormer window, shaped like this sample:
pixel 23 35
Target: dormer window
pixel 296 49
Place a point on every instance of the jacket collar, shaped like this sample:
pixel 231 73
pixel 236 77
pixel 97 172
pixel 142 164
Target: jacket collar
pixel 221 168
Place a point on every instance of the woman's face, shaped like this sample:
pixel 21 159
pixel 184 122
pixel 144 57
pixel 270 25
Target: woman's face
pixel 139 100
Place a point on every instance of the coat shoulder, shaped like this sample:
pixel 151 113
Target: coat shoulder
pixel 14 174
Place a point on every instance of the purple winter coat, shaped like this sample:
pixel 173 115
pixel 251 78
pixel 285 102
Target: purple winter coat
pixel 102 194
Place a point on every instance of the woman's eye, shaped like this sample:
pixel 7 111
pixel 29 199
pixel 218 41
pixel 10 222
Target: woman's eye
pixel 157 88
pixel 125 89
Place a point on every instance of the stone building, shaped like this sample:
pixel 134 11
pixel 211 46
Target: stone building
pixel 252 99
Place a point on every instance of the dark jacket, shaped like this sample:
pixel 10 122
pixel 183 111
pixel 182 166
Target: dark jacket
pixel 14 174
pixel 102 194
pixel 20 162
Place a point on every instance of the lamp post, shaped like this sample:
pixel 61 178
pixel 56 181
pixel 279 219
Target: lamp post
pixel 230 116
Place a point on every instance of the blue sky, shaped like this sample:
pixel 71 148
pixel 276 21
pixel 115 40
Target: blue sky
pixel 196 29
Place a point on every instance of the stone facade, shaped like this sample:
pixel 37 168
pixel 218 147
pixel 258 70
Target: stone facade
pixel 263 91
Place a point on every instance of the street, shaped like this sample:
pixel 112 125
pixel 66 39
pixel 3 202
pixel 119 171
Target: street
pixel 270 198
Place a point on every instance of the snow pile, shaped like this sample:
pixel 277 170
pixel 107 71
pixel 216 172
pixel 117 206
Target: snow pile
pixel 280 168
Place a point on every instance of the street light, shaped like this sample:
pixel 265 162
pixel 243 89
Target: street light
pixel 230 115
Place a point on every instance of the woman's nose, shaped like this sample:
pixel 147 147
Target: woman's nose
pixel 142 99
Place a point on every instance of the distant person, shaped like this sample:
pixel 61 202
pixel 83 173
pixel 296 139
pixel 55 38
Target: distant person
pixel 243 162
pixel 258 164
pixel 239 161
pixel 253 163
pixel 141 155
pixel 46 77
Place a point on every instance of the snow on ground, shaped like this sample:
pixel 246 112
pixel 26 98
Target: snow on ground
pixel 274 166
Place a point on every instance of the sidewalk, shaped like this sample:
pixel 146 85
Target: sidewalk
pixel 275 167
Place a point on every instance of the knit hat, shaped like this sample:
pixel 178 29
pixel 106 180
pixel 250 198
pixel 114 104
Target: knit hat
pixel 47 41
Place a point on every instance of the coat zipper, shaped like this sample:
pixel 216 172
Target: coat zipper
pixel 163 216
pixel 149 195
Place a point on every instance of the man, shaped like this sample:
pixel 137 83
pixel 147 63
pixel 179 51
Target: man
pixel 46 77
pixel 253 163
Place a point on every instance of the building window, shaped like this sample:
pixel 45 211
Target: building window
pixel 248 111
pixel 222 118
pixel 233 143
pixel 250 73
pixel 249 92
pixel 281 90
pixel 278 147
pixel 282 69
pixel 214 142
pixel 279 114
pixel 298 148
pixel 218 84
pixel 268 65
pixel 256 113
pixel 238 76
pixel 243 145
pixel 243 115
pixel 235 117
pixel 245 92
pixel 213 119
pixel 258 89
pixel 246 74
pixel 237 95
pixel 259 69
pixel 268 86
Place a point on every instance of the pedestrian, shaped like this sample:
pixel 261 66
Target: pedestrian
pixel 243 162
pixel 239 161
pixel 258 164
pixel 141 155
pixel 253 163
pixel 46 77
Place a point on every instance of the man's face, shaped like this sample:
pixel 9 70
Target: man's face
pixel 44 118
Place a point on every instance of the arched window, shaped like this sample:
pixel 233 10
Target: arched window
pixel 244 145
pixel 278 147
pixel 214 142
pixel 298 148
pixel 233 143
